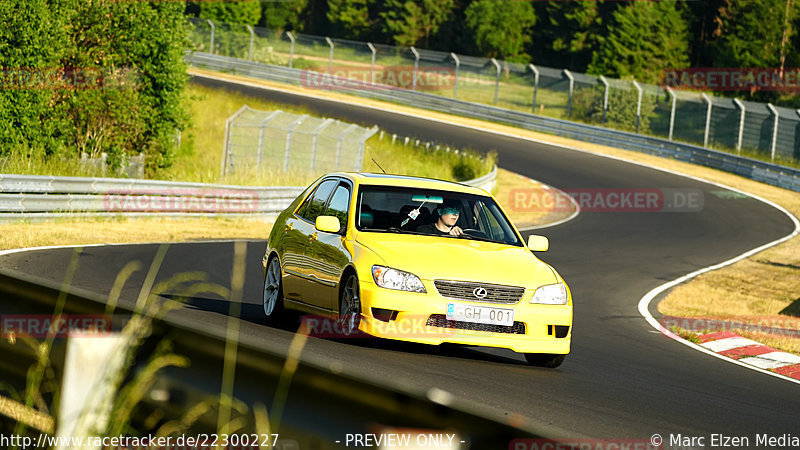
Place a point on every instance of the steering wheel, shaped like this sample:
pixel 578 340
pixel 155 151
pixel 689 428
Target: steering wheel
pixel 476 233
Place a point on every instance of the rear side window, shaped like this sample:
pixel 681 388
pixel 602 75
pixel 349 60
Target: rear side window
pixel 314 205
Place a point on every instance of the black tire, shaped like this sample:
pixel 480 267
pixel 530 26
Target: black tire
pixel 350 306
pixel 273 290
pixel 545 359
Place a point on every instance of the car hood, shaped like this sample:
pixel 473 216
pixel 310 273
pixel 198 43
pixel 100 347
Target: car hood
pixel 433 257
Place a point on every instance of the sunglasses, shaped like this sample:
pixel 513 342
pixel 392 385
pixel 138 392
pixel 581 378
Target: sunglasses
pixel 450 211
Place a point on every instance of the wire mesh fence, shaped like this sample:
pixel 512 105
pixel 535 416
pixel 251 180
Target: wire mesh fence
pixel 751 128
pixel 258 142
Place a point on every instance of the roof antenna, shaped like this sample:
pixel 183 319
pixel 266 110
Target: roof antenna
pixel 379 166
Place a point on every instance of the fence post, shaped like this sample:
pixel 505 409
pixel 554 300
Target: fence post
pixel 605 97
pixel 361 144
pixel 416 67
pixel 496 80
pixel 289 132
pixel 252 38
pixel 774 131
pixel 571 87
pixel 339 140
pixel 226 144
pixel 291 47
pixel 535 85
pixel 708 119
pixel 212 35
pixel 455 83
pixel 638 104
pixel 261 136
pixel 672 111
pixel 315 135
pixel 372 64
pixel 330 55
pixel 741 107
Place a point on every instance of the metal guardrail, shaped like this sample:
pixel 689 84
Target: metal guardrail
pixel 769 173
pixel 34 196
pixel 31 196
pixel 324 402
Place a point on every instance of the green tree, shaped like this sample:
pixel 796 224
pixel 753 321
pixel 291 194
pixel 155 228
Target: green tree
pixel 643 40
pixel 409 22
pixel 32 40
pixel 285 15
pixel 137 47
pixel 500 27
pixel 755 33
pixel 115 76
pixel 244 12
pixel 568 32
pixel 353 18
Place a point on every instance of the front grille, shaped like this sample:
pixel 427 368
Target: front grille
pixel 464 290
pixel 440 321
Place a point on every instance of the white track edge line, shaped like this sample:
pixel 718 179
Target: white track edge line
pixel 645 301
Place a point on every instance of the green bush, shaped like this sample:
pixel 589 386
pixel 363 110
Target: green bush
pixel 114 77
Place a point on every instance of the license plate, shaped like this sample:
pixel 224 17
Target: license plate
pixel 480 314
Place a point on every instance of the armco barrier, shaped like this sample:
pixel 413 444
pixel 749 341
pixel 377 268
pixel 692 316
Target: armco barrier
pixel 774 174
pixel 323 402
pixel 32 196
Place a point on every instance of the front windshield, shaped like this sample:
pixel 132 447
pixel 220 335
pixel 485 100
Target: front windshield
pixel 416 211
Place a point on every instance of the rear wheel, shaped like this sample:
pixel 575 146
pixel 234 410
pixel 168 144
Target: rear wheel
pixel 350 306
pixel 273 289
pixel 545 359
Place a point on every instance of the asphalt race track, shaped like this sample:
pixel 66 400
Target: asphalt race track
pixel 622 379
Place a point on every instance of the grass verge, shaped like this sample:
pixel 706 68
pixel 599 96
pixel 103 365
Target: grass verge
pixel 85 231
pixel 200 156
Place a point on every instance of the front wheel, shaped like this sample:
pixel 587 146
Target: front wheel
pixel 350 306
pixel 545 359
pixel 273 289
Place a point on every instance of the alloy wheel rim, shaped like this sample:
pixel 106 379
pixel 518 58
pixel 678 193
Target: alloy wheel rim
pixel 351 313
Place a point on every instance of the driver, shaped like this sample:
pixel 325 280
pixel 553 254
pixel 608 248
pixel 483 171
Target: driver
pixel 446 222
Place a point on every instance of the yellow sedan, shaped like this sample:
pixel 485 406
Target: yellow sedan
pixel 417 260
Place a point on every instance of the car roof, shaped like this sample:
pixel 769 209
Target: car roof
pixel 381 179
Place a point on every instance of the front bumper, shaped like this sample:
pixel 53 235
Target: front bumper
pixel 411 322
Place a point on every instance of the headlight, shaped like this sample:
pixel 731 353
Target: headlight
pixel 552 294
pixel 389 278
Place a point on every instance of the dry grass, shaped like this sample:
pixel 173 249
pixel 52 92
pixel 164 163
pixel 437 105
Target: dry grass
pixel 760 286
pixel 84 231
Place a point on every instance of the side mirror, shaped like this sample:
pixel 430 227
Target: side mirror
pixel 328 224
pixel 538 243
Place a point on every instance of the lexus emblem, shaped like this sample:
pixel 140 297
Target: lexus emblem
pixel 479 292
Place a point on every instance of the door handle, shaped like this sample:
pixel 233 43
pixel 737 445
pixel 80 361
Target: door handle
pixel 313 237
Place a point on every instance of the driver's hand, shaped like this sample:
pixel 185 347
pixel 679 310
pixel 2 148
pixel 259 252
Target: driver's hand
pixel 456 231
